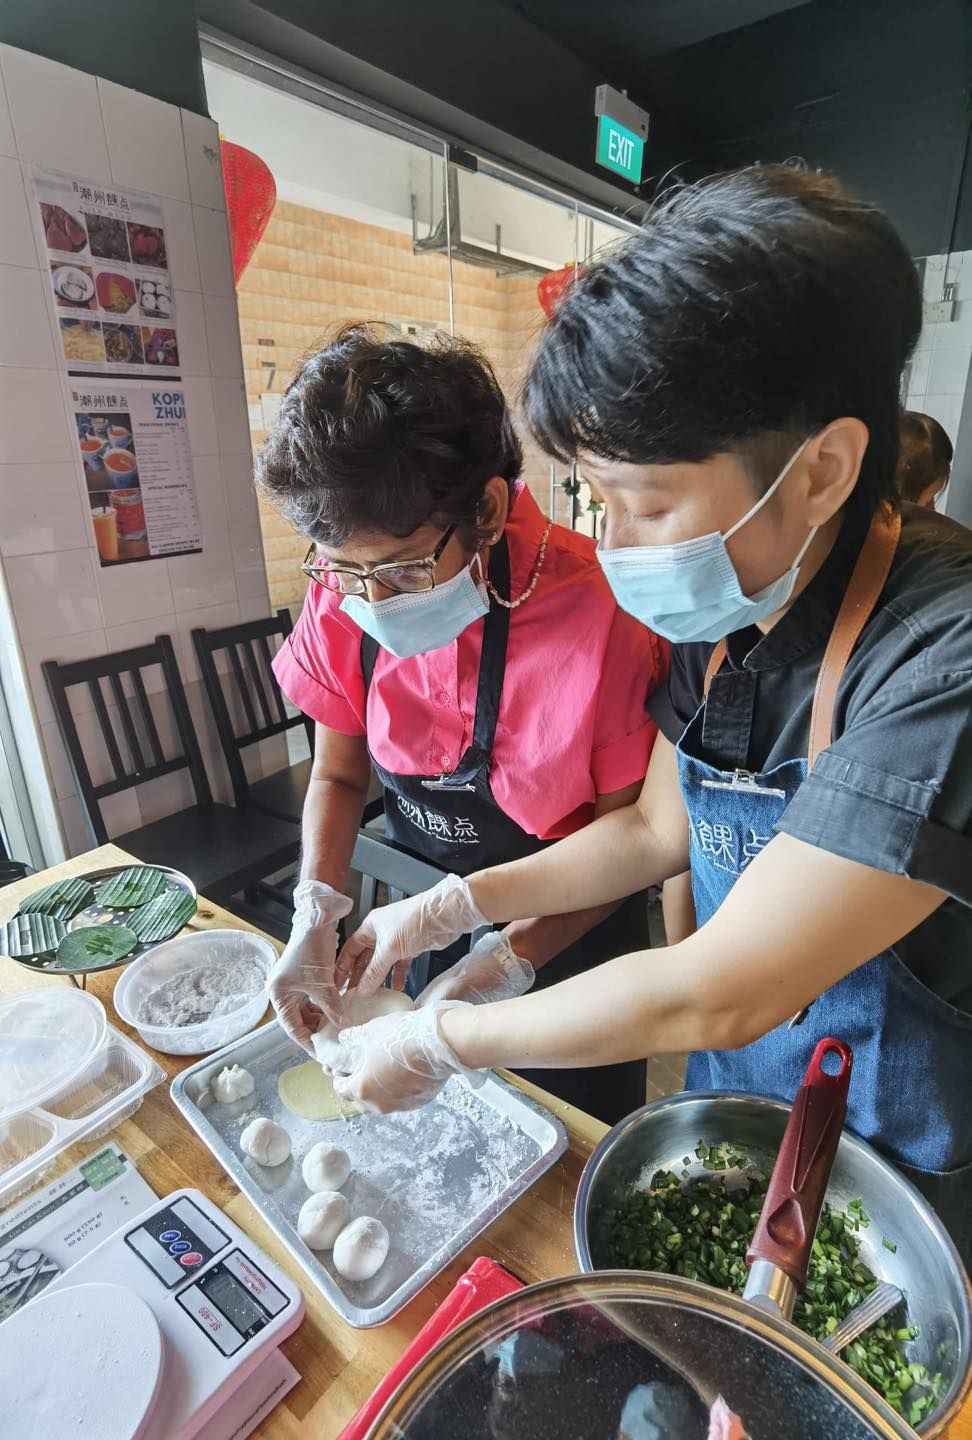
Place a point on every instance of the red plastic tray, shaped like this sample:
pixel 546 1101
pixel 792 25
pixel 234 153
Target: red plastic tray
pixel 484 1282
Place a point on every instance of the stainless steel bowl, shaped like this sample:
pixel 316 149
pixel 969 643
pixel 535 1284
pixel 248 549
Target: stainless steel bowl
pixel 925 1265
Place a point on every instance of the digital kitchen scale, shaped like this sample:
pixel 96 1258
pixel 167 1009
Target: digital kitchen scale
pixel 165 1331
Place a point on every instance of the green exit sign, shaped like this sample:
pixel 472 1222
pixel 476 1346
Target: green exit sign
pixel 619 149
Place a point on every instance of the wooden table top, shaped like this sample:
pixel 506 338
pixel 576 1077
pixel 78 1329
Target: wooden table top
pixel 339 1366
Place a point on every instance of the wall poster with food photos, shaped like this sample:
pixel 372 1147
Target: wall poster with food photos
pixel 114 305
pixel 134 447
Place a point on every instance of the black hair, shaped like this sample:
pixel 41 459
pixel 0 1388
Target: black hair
pixel 377 435
pixel 751 310
pixel 925 455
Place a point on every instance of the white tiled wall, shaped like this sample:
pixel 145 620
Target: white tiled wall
pixel 939 374
pixel 63 605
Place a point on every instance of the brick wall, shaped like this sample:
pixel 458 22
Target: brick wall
pixel 313 271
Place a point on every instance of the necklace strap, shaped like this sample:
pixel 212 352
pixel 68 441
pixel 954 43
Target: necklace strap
pixel 534 577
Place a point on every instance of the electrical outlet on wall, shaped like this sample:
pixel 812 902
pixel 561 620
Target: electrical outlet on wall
pixel 938 312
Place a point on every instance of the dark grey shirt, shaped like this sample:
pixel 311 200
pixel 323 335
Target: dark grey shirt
pixel 894 789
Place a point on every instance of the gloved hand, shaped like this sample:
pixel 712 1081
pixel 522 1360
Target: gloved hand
pixel 491 971
pixel 399 1062
pixel 302 983
pixel 393 935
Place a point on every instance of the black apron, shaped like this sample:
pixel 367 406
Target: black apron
pixel 454 822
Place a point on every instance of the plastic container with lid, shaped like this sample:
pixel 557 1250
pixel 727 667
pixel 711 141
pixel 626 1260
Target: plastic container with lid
pixel 65 1075
pixel 188 953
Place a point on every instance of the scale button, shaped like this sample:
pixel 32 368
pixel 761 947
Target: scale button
pixel 179 1247
pixel 168 1236
pixel 193 1258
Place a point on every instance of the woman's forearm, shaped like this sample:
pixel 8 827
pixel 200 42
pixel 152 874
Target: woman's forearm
pixel 615 856
pixel 335 798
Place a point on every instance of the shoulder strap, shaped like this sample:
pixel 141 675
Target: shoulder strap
pixel 369 654
pixel 868 579
pixel 715 660
pixel 863 592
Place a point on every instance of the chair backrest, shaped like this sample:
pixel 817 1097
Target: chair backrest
pixel 134 750
pixel 251 683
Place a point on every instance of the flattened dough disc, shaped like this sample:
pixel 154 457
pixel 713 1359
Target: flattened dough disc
pixel 309 1093
pixel 82 1362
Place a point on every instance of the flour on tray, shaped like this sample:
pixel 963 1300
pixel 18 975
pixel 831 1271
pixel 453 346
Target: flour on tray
pixel 204 993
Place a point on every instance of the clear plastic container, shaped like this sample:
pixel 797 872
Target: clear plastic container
pixel 187 953
pixel 47 1037
pixel 84 1105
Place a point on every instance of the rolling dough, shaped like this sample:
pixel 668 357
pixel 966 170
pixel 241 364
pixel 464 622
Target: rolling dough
pixel 357 1010
pixel 265 1142
pixel 361 1248
pixel 322 1219
pixel 232 1083
pixel 325 1167
pixel 308 1092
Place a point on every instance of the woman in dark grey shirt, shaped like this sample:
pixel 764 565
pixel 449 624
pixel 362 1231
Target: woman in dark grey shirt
pixel 729 381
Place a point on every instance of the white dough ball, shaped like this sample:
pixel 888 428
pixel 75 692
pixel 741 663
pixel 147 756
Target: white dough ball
pixel 232 1083
pixel 356 1010
pixel 322 1218
pixel 325 1167
pixel 361 1248
pixel 265 1142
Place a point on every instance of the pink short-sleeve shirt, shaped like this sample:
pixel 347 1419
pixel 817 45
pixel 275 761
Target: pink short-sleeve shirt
pixel 572 721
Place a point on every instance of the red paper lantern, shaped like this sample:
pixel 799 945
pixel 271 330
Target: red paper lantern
pixel 551 288
pixel 251 194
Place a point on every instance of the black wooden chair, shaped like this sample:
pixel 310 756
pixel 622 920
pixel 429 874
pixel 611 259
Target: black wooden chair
pixel 251 687
pixel 261 708
pixel 220 848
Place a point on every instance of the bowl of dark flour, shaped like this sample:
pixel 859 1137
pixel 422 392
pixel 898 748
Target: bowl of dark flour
pixel 197 992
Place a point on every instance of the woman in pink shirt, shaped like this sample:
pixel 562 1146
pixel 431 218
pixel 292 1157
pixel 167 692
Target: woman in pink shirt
pixel 463 647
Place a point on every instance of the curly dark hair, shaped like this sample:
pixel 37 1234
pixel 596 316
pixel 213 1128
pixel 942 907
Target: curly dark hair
pixel 386 435
pixel 752 309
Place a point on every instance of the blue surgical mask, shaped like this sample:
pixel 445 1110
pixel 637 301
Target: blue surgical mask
pixel 410 625
pixel 690 590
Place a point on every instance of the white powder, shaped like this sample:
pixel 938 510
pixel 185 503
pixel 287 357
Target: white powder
pixel 202 994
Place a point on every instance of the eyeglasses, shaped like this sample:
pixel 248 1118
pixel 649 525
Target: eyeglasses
pixel 404 578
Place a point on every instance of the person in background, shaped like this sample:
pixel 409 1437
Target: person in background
pixel 924 459
pixel 469 650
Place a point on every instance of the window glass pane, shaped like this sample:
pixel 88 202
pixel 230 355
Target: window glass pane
pixel 339 247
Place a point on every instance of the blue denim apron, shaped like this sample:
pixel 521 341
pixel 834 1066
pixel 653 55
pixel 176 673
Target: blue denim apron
pixel 910 1095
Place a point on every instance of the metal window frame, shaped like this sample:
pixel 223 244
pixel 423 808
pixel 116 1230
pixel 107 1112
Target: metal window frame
pixel 239 56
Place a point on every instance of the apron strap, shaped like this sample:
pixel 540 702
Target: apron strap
pixel 863 592
pixel 867 580
pixel 492 668
pixel 715 664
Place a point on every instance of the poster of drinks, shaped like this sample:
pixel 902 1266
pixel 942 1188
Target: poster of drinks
pixel 109 276
pixel 134 447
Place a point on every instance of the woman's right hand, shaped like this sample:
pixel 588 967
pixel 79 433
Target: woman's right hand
pixel 393 935
pixel 301 985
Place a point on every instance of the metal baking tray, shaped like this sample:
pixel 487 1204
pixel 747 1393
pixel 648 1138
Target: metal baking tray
pixel 436 1177
pixel 95 914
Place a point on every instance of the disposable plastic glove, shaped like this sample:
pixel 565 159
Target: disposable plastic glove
pixel 491 971
pixel 393 935
pixel 399 1062
pixel 302 983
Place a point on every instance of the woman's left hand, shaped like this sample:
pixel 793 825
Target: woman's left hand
pixel 491 971
pixel 399 1062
